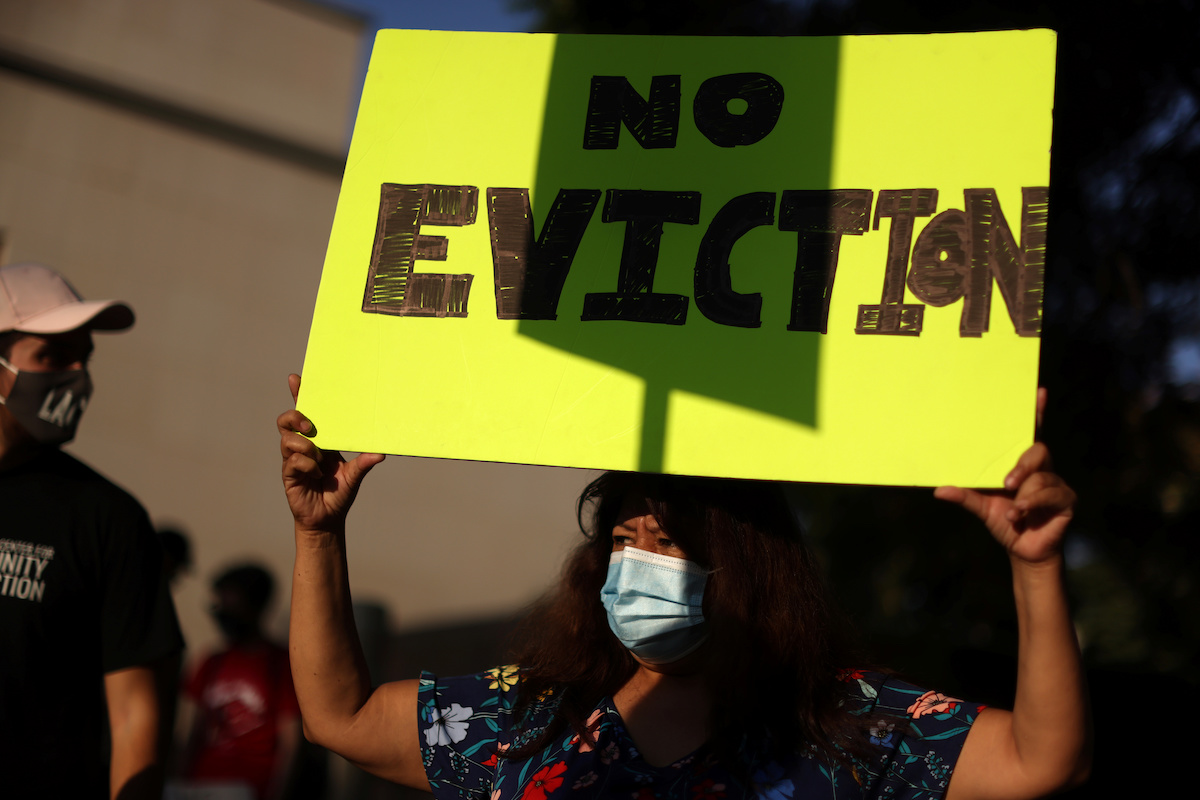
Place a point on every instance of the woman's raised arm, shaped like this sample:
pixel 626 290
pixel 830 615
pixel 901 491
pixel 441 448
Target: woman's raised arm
pixel 374 728
pixel 1044 744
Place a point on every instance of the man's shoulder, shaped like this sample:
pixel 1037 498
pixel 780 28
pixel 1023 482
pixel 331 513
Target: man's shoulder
pixel 56 464
pixel 58 478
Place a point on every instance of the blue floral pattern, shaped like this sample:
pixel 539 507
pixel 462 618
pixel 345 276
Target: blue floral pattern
pixel 467 723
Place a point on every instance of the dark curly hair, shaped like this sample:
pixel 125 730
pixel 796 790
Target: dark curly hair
pixel 775 641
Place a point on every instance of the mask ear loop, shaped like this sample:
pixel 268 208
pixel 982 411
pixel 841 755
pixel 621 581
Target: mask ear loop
pixel 4 362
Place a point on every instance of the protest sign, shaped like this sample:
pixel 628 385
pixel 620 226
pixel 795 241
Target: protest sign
pixel 793 258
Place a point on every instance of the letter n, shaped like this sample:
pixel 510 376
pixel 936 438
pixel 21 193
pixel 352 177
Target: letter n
pixel 613 102
pixel 1019 271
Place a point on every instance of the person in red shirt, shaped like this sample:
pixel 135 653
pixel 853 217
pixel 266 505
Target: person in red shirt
pixel 246 725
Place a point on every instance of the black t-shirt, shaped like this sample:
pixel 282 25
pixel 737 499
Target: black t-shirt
pixel 81 594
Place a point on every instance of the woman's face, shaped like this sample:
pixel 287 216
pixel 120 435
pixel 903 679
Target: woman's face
pixel 637 527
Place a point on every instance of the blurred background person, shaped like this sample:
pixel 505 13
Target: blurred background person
pixel 177 552
pixel 176 560
pixel 245 727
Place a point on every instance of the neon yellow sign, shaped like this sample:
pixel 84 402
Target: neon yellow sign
pixel 794 258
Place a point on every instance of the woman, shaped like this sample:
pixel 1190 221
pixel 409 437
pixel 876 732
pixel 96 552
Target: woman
pixel 651 711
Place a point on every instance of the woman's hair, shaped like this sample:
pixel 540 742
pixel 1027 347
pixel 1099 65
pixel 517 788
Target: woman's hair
pixel 773 640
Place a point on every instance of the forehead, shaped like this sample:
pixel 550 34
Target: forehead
pixel 633 505
pixel 76 341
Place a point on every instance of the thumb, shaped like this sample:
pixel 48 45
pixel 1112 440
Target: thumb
pixel 358 468
pixel 967 498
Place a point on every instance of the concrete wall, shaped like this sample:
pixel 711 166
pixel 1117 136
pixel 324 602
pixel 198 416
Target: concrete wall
pixel 177 154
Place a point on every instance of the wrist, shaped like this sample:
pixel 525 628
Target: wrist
pixel 319 537
pixel 1052 562
pixel 1038 576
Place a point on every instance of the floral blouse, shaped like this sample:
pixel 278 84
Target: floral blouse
pixel 466 724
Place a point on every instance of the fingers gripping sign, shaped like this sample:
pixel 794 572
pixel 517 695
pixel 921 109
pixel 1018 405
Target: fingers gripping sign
pixel 1030 515
pixel 1044 744
pixel 320 486
pixel 373 727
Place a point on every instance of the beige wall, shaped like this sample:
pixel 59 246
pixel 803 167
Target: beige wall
pixel 283 66
pixel 219 249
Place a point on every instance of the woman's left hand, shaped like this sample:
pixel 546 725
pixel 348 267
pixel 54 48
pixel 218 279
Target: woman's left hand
pixel 1044 745
pixel 1030 515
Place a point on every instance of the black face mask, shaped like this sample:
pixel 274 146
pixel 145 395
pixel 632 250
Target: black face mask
pixel 48 405
pixel 235 627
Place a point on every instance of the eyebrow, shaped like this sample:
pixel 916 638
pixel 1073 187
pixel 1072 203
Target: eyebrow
pixel 64 351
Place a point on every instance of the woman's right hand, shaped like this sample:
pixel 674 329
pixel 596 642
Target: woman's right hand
pixel 320 486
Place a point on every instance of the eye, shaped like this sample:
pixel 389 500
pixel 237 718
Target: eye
pixel 54 358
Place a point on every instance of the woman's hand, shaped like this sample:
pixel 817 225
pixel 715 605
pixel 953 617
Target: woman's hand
pixel 1030 515
pixel 373 728
pixel 1044 744
pixel 320 486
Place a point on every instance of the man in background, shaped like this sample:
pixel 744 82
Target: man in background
pixel 88 631
pixel 246 725
pixel 177 553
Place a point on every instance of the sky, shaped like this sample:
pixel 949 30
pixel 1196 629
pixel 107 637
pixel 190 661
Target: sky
pixel 448 15
pixel 458 15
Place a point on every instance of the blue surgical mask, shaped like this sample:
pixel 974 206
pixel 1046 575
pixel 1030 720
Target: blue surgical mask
pixel 654 604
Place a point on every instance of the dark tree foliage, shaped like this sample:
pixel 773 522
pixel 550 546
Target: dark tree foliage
pixel 698 18
pixel 1122 315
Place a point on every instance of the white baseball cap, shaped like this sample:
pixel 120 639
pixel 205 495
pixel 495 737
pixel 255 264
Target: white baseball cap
pixel 36 299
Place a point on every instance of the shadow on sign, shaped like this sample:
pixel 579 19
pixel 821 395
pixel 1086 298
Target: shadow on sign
pixel 688 258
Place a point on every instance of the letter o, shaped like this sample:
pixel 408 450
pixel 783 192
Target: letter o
pixel 710 108
pixel 941 259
